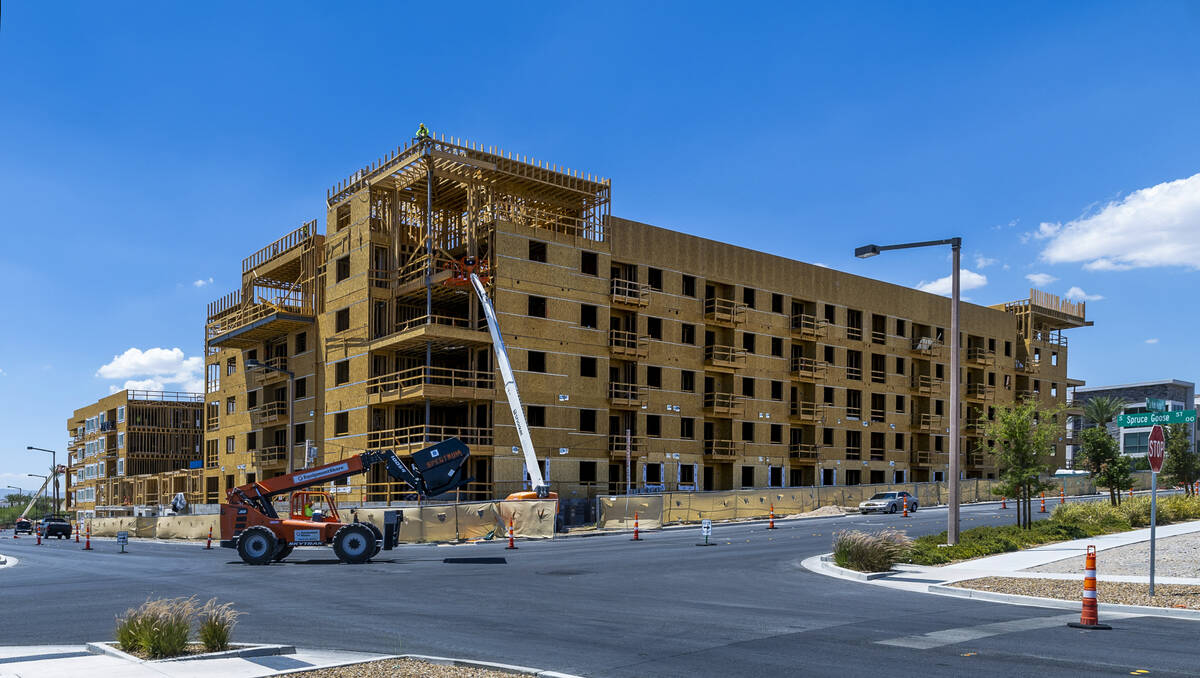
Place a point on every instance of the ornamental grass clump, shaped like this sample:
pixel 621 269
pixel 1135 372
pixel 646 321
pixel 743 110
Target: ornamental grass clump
pixel 214 624
pixel 161 628
pixel 869 552
pixel 157 628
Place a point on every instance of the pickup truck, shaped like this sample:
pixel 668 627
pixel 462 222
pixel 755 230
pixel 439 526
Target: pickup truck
pixel 55 526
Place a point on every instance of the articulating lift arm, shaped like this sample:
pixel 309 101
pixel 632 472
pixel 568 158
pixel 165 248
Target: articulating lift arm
pixel 49 479
pixel 510 389
pixel 434 470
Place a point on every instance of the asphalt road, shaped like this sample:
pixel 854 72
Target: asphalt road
pixel 597 606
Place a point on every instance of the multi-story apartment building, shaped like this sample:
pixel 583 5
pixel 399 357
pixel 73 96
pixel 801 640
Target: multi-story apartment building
pixel 133 447
pixel 716 366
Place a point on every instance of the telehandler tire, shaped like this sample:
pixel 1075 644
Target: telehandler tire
pixel 354 544
pixel 257 545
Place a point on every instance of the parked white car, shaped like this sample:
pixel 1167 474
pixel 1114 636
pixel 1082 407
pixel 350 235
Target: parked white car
pixel 888 502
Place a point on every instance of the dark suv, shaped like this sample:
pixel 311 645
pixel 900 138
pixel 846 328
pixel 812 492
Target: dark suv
pixel 23 525
pixel 55 526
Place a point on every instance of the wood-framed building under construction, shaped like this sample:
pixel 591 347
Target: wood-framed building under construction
pixel 717 367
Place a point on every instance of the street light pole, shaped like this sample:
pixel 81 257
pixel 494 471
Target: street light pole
pixel 53 470
pixel 867 251
pixel 955 405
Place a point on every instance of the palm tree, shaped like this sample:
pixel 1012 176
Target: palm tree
pixel 1102 410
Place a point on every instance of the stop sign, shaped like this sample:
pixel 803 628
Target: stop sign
pixel 1158 448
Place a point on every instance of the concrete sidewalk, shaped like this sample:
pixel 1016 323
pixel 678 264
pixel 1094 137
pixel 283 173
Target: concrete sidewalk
pixel 70 661
pixel 937 579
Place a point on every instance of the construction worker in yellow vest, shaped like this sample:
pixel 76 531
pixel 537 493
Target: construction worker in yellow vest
pixel 422 131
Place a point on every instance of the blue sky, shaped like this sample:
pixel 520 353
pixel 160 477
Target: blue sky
pixel 145 149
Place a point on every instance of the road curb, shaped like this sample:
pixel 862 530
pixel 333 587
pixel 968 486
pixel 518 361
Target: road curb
pixel 454 661
pixel 249 650
pixel 823 564
pixel 1017 599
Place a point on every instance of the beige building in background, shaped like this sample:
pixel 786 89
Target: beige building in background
pixel 133 447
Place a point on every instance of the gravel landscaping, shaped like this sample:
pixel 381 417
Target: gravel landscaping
pixel 1165 595
pixel 1174 557
pixel 403 668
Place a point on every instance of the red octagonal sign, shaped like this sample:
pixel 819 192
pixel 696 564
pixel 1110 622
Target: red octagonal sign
pixel 1158 448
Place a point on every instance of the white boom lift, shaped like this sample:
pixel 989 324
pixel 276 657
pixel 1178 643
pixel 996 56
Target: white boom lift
pixel 49 479
pixel 540 489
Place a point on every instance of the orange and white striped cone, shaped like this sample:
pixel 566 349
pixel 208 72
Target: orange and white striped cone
pixel 76 531
pixel 771 523
pixel 1196 488
pixel 1089 618
pixel 905 498
pixel 1004 502
pixel 208 546
pixel 38 531
pixel 636 537
pixel 88 544
pixel 1062 495
pixel 1043 503
pixel 512 546
pixel 1131 492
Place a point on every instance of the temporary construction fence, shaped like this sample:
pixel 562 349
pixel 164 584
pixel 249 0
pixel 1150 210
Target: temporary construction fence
pixel 655 510
pixel 428 523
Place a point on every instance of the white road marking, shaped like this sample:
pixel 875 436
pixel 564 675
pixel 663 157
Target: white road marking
pixel 966 633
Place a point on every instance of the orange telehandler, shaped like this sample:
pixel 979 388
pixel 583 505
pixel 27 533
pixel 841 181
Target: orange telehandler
pixel 250 524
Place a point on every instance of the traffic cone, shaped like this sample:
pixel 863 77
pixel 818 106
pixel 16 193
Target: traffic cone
pixel 1089 617
pixel 1004 502
pixel 208 546
pixel 905 498
pixel 1131 492
pixel 1062 495
pixel 39 536
pixel 76 531
pixel 87 546
pixel 511 544
pixel 771 524
pixel 1043 503
pixel 635 528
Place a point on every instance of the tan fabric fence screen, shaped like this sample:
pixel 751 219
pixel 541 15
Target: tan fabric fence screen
pixel 433 523
pixel 655 510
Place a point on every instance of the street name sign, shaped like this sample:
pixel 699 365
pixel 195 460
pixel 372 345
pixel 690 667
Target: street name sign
pixel 1158 448
pixel 1156 418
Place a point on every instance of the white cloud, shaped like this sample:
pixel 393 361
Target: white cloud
pixel 1152 341
pixel 3 373
pixel 1040 279
pixel 1077 294
pixel 968 280
pixel 1153 226
pixel 202 282
pixel 155 368
pixel 983 262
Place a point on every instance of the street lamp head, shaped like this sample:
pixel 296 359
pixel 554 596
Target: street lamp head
pixel 866 251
